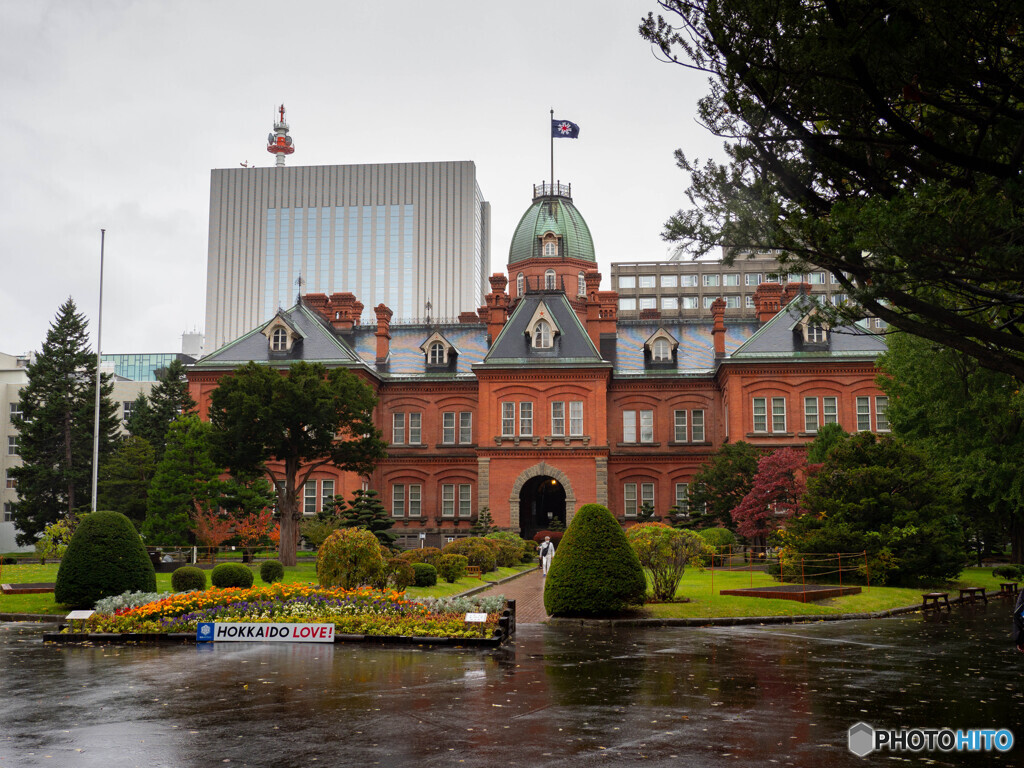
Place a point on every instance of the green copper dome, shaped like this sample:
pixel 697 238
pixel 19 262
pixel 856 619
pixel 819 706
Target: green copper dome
pixel 555 215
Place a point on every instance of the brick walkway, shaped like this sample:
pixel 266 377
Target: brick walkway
pixel 528 592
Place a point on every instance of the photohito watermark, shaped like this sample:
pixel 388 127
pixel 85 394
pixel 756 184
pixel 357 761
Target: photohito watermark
pixel 864 739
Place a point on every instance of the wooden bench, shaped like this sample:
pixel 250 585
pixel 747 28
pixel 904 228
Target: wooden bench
pixel 933 599
pixel 474 571
pixel 972 593
pixel 1009 588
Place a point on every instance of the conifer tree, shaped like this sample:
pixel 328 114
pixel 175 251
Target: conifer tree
pixel 152 417
pixel 125 477
pixel 366 511
pixel 55 427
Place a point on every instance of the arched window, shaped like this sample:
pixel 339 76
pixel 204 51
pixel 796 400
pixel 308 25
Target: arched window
pixel 519 284
pixel 436 354
pixel 549 280
pixel 661 352
pixel 542 335
pixel 279 340
pixel 550 247
pixel 581 285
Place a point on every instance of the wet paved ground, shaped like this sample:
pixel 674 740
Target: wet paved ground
pixel 562 696
pixel 528 592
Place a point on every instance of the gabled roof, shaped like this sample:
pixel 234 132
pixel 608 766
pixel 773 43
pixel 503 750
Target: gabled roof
pixel 571 346
pixel 317 343
pixel 780 338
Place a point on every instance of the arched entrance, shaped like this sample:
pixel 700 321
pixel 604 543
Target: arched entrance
pixel 541 501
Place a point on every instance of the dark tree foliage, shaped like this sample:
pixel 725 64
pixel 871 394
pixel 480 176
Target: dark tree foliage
pixel 594 571
pixel 882 141
pixel 828 435
pixel 366 511
pixel 106 557
pixel 152 417
pixel 720 485
pixel 968 420
pixel 55 427
pixel 125 477
pixel 305 418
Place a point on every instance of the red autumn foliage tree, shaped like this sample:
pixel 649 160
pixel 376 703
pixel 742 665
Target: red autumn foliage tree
pixel 774 496
pixel 256 529
pixel 211 527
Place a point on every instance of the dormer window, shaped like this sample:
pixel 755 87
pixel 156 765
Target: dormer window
pixel 436 354
pixel 661 351
pixel 438 351
pixel 279 340
pixel 542 334
pixel 815 333
pixel 813 329
pixel 549 280
pixel 281 335
pixel 549 246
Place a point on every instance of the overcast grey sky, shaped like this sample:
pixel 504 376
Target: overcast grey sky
pixel 114 113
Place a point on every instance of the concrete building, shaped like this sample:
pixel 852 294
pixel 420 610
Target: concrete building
pixel 404 235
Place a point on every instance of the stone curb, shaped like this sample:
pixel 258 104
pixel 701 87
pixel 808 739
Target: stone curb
pixel 51 617
pixel 489 584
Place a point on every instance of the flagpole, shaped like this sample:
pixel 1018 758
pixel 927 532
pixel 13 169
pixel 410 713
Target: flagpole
pixel 552 132
pixel 99 381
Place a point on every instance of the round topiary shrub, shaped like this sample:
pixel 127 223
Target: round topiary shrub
pixel 271 571
pixel 720 540
pixel 477 550
pixel 425 574
pixel 106 557
pixel 349 558
pixel 188 578
pixel 594 570
pixel 228 575
pixel 452 567
pixel 1008 571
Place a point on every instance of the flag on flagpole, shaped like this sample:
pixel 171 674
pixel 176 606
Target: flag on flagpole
pixel 563 129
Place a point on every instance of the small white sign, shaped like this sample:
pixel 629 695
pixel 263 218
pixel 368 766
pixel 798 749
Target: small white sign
pixel 241 632
pixel 476 618
pixel 79 615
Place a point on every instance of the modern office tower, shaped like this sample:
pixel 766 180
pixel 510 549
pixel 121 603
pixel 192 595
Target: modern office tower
pixel 401 234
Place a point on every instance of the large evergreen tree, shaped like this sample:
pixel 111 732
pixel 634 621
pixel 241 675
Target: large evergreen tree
pixel 125 477
pixel 720 485
pixel 881 141
pixel 305 419
pixel 152 417
pixel 56 427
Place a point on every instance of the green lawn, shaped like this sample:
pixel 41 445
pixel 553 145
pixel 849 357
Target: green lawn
pixel 705 603
pixel 303 572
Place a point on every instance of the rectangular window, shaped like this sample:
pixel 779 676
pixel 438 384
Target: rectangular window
pixel 669 303
pixel 447 501
pixel 326 493
pixel 398 500
pixel 698 426
pixel 683 497
pixel 558 419
pixel 466 427
pixel 12 445
pixel 760 414
pixel 627 281
pixel 687 281
pixel 15 409
pixel 838 299
pixel 881 419
pixel 690 302
pixel 647 494
pixel 648 302
pixel 126 410
pixel 627 305
pixel 7 512
pixel 415 428
pixel 465 500
pixel 778 414
pixel 576 418
pixel 629 497
pixel 810 414
pixel 796 277
pixel 679 419
pixel 398 429
pixel 309 498
pixel 830 410
pixel 710 280
pixel 668 281
pixel 863 414
pixel 508 419
pixel 646 426
pixel 629 426
pixel 647 281
pixel 749 302
pixel 733 280
pixel 415 500
pixel 448 427
pixel 752 278
pixel 526 419
pixel 732 302
pixel 708 301
pixel 816 278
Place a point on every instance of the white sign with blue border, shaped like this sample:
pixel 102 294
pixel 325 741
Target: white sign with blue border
pixel 259 632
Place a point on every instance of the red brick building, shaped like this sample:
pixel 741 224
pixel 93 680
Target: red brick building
pixel 544 400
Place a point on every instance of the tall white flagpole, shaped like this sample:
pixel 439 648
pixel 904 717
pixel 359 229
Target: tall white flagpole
pixel 96 415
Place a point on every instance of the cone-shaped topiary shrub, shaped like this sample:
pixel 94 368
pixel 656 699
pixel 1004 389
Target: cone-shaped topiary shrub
pixel 106 557
pixel 228 575
pixel 271 571
pixel 594 571
pixel 188 578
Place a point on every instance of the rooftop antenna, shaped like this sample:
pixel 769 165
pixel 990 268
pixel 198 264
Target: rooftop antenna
pixel 279 143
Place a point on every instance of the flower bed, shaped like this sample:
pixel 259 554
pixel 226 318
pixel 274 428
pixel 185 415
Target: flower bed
pixel 361 611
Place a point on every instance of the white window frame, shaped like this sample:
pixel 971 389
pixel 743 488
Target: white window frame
pixel 646 426
pixel 810 414
pixel 549 279
pixel 627 281
pixel 398 428
pixel 881 413
pixel 12 445
pixel 711 281
pixel 697 426
pixel 661 351
pixel 760 414
pixel 398 500
pixel 581 284
pixel 520 280
pixel 435 356
pixel 326 493
pixel 778 414
pixel 863 414
pixel 731 280
pixel 415 428
pixel 629 426
pixel 526 418
pixel 447 500
pixel 309 497
pixel 691 302
pixel 558 418
pixel 448 427
pixel 279 340
pixel 542 334
pixel 508 419
pixel 670 303
pixel 627 304
pixel 415 500
pixel 829 410
pixel 688 281
pixel 466 427
pixel 669 281
pixel 647 494
pixel 465 500
pixel 683 497
pixel 629 499
pixel 680 426
pixel 575 418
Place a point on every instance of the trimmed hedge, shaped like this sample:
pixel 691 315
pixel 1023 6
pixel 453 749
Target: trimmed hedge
pixel 228 575
pixel 478 551
pixel 422 555
pixel 594 571
pixel 271 571
pixel 106 557
pixel 452 567
pixel 425 574
pixel 188 578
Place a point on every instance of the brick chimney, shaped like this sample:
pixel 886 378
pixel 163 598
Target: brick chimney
pixel 343 311
pixel 497 306
pixel 767 299
pixel 602 311
pixel 383 333
pixel 718 330
pixel 792 290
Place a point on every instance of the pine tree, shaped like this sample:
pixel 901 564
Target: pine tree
pixel 152 417
pixel 141 422
pixel 56 427
pixel 366 511
pixel 484 523
pixel 125 477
